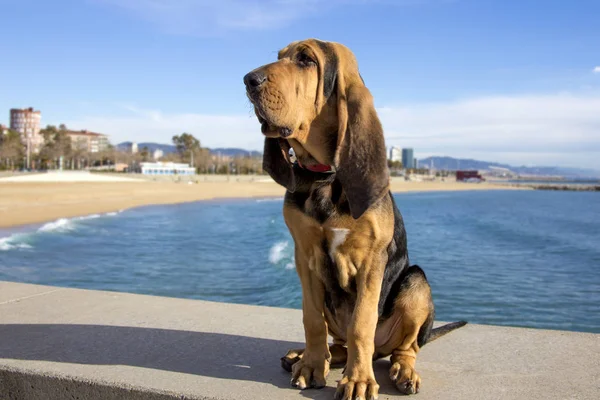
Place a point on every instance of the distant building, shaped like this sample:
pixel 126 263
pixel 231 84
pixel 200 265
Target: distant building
pixel 91 142
pixel 408 160
pixel 27 121
pixel 500 172
pixel 157 154
pixel 395 154
pixel 469 176
pixel 121 167
pixel 416 162
pixel 3 131
pixel 166 168
pixel 131 147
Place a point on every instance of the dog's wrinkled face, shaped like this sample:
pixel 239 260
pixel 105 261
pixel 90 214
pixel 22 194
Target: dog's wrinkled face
pixel 287 94
pixel 314 100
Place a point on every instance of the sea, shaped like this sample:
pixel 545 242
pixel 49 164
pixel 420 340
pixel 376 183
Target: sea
pixel 502 257
pixel 562 182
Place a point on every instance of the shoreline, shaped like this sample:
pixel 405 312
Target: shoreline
pixel 32 203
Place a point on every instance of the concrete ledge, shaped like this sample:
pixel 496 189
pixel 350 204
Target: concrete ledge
pixel 60 343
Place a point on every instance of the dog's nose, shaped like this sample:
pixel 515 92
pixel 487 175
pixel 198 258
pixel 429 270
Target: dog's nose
pixel 254 79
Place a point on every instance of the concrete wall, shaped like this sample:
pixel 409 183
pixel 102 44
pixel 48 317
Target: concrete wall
pixel 58 343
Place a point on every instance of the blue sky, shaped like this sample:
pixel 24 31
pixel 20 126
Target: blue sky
pixel 508 81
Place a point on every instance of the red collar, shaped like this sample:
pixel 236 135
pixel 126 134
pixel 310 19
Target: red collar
pixel 317 167
pixel 320 168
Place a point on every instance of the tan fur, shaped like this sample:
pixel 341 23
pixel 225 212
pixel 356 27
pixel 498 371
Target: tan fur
pixel 343 131
pixel 398 335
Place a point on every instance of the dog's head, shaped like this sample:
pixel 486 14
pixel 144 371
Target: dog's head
pixel 314 100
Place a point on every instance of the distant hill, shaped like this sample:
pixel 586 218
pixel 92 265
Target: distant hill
pixel 169 148
pixel 450 163
pixel 234 151
pixel 166 148
pixel 446 163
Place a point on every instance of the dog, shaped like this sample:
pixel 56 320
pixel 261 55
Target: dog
pixel 324 143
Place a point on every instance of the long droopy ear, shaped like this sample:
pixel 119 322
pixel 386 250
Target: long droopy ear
pixel 360 158
pixel 275 162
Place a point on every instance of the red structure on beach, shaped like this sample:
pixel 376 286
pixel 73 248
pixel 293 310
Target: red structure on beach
pixel 463 176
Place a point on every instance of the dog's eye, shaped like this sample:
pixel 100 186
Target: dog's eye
pixel 305 60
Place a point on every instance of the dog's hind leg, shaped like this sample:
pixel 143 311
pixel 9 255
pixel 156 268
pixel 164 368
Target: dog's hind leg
pixel 407 328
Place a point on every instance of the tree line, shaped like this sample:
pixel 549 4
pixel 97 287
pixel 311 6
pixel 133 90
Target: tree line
pixel 58 145
pixel 189 150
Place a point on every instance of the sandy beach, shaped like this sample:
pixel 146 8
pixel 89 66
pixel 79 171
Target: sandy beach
pixel 24 203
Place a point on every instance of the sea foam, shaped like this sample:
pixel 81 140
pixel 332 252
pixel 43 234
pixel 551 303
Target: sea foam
pixel 269 199
pixel 21 240
pixel 68 224
pixel 16 241
pixel 277 252
pixel 60 225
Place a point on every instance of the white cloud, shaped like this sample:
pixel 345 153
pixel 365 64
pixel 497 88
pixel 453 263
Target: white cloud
pixel 214 17
pixel 597 70
pixel 559 129
pixel 155 126
pixel 207 17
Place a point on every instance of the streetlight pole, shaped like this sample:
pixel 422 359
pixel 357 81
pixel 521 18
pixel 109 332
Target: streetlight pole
pixel 28 150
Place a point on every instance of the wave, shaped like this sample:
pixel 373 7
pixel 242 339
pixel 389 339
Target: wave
pixel 277 252
pixel 92 216
pixel 113 213
pixel 16 241
pixel 269 199
pixel 61 225
pixel 280 254
pixel 67 224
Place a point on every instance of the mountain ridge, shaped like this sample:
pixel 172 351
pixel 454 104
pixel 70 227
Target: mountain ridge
pixel 439 162
pixel 169 148
pixel 451 163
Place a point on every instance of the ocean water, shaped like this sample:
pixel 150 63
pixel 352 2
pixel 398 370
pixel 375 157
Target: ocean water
pixel 581 182
pixel 517 258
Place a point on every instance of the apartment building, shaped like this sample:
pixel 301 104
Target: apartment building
pixel 395 154
pixel 408 159
pixel 91 142
pixel 27 121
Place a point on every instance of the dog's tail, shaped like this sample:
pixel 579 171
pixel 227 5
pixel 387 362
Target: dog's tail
pixel 438 332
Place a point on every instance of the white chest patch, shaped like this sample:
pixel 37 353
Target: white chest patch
pixel 339 237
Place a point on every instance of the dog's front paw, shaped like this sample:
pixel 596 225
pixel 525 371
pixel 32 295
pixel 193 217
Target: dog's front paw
pixel 357 389
pixel 310 372
pixel 405 377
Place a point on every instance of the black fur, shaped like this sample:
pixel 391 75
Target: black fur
pixel 331 67
pixel 336 298
pixel 425 332
pixel 397 264
pixel 322 207
pixel 444 329
pixel 294 178
pixel 324 198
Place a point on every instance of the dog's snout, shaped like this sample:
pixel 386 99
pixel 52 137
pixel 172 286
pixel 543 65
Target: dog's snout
pixel 254 79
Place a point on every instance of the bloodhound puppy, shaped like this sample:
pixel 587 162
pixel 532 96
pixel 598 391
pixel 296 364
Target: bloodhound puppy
pixel 324 143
